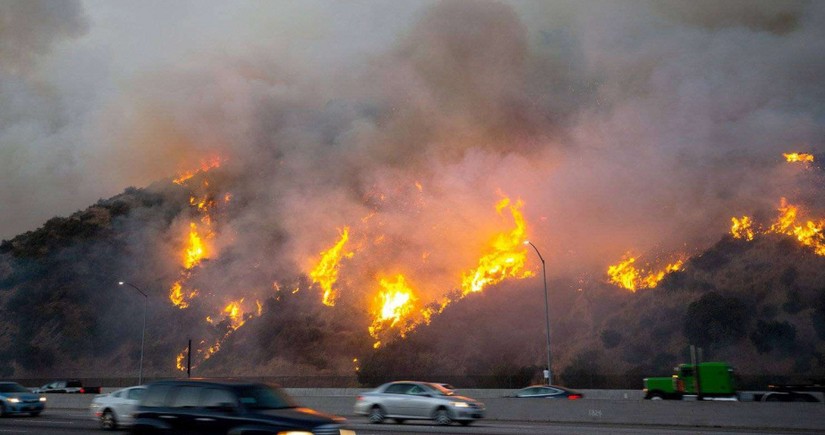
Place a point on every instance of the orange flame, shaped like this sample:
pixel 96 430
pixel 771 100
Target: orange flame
pixel 741 228
pixel 179 360
pixel 798 157
pixel 808 233
pixel 507 257
pixel 179 297
pixel 205 166
pixel 627 276
pixel 196 251
pixel 394 303
pixel 325 272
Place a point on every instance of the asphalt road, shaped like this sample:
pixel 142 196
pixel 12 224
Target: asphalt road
pixel 65 422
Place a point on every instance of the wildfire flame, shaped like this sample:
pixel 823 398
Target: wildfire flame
pixel 396 306
pixel 236 316
pixel 808 233
pixel 179 360
pixel 325 272
pixel 394 303
pixel 195 251
pixel 507 257
pixel 798 157
pixel 628 276
pixel 206 165
pixel 742 228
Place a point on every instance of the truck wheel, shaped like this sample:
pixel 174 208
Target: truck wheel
pixel 656 396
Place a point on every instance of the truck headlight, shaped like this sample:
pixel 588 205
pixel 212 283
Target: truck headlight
pixel 42 399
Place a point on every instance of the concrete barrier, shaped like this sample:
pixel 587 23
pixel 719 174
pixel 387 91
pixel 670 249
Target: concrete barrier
pixel 599 406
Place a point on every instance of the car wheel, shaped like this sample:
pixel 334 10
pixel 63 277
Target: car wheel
pixel 399 420
pixel 376 415
pixel 35 413
pixel 442 417
pixel 465 422
pixel 2 410
pixel 656 396
pixel 108 420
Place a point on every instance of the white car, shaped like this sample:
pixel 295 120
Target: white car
pixel 117 408
pixel 412 400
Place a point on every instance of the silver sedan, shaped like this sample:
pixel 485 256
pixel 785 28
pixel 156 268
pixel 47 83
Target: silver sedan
pixel 117 408
pixel 408 400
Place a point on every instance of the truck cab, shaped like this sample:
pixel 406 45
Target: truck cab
pixel 703 381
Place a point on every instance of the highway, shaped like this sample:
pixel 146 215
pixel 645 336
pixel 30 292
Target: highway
pixel 65 422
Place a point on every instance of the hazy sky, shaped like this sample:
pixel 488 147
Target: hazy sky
pixel 623 125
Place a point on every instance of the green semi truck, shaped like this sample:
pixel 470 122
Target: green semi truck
pixel 707 380
pixel 715 381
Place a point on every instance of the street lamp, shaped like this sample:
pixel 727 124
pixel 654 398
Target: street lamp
pixel 546 310
pixel 143 334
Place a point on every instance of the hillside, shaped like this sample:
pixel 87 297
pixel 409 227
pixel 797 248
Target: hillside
pixel 759 305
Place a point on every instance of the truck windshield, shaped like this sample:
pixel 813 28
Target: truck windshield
pixel 264 397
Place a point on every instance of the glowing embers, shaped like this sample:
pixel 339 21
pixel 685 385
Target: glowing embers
pixel 393 304
pixel 809 233
pixel 628 276
pixel 179 296
pixel 741 228
pixel 234 315
pixel 798 157
pixel 325 272
pixel 506 257
pixel 206 165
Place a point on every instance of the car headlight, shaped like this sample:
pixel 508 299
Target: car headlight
pixel 461 404
pixel 295 432
pixel 42 399
pixel 14 400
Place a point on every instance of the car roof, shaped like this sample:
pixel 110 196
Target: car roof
pixel 558 387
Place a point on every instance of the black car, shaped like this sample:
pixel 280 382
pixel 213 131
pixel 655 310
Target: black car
pixel 547 392
pixel 225 406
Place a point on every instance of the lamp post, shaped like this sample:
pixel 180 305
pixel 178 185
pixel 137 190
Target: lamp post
pixel 143 334
pixel 546 310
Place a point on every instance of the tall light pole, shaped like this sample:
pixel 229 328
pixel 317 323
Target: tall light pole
pixel 143 334
pixel 546 310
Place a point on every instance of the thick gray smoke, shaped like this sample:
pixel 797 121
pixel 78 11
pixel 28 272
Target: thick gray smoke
pixel 637 126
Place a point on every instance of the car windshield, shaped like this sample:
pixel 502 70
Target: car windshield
pixel 13 388
pixel 264 397
pixel 441 390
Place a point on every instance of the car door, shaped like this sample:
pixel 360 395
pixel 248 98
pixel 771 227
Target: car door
pixel 419 402
pixel 219 411
pixel 394 399
pixel 551 393
pixel 184 410
pixel 127 406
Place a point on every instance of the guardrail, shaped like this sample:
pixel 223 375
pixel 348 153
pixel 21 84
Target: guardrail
pixel 599 406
